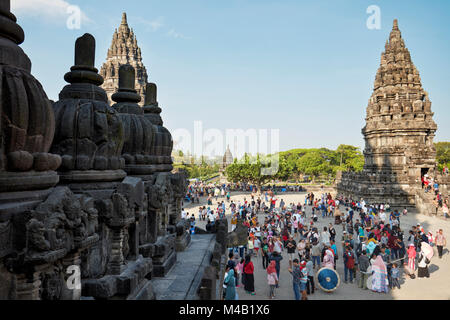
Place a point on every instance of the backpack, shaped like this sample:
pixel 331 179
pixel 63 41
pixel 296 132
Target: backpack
pixel 350 261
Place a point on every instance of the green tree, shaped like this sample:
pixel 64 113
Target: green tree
pixel 442 154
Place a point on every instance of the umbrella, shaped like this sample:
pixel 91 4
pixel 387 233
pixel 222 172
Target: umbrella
pixel 328 279
pixel 427 250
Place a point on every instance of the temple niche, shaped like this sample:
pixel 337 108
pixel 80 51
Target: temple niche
pixel 124 50
pixel 398 135
pixel 87 189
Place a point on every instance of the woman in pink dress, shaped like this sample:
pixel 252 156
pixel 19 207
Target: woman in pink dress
pixel 411 252
pixel 328 259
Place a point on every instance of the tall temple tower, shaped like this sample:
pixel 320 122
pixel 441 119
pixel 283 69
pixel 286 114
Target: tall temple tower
pixel 227 158
pixel 398 134
pixel 124 50
pixel 399 127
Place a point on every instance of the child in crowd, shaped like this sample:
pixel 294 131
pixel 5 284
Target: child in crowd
pixel 257 245
pixel 272 278
pixel 395 275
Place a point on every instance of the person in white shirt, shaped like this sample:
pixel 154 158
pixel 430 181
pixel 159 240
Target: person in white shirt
pixel 183 214
pixel 382 216
pixel 325 237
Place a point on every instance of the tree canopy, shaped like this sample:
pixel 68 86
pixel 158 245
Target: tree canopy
pixel 298 162
pixel 443 154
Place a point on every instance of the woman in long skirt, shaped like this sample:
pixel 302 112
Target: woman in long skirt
pixel 249 284
pixel 411 252
pixel 230 282
pixel 422 262
pixel 380 276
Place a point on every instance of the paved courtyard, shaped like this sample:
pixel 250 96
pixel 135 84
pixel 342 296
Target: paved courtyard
pixel 436 287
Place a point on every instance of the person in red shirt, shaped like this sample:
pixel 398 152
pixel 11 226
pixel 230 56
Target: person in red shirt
pixel 249 282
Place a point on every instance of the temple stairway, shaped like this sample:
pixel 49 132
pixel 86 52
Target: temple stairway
pixel 183 280
pixel 425 202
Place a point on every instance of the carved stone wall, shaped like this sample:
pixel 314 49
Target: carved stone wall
pixel 112 222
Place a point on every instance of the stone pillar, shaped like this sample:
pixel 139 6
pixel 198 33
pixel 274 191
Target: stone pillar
pixel 116 262
pixel 28 289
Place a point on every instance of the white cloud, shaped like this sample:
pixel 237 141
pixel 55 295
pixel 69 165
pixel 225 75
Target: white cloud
pixel 48 9
pixel 172 33
pixel 152 25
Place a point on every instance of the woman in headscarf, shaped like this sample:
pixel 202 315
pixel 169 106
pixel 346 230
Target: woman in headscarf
pixel 272 278
pixel 301 247
pixel 424 260
pixel 230 291
pixel 328 259
pixel 379 276
pixel 249 284
pixel 411 252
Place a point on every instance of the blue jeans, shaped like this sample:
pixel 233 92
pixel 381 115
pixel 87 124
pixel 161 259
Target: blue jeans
pixel 346 271
pixel 316 259
pixel 394 254
pixel 296 287
pixel 241 252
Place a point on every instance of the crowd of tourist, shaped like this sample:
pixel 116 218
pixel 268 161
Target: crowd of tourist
pixel 373 244
pixel 431 186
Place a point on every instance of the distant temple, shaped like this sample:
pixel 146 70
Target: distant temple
pixel 398 134
pixel 124 50
pixel 227 159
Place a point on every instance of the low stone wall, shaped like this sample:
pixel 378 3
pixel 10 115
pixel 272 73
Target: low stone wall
pixel 210 285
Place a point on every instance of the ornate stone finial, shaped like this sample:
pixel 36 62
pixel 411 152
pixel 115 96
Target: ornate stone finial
pixel 83 76
pixel 127 75
pixel 12 54
pixel 124 19
pixel 151 94
pixel 8 27
pixel 395 27
pixel 84 115
pixel 85 51
pixel 126 91
pixel 84 71
pixel 5 6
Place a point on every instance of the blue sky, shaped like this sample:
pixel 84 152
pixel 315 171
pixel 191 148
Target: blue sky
pixel 304 67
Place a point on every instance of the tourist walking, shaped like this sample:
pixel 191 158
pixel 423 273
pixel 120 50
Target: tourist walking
pixel 424 260
pixel 441 242
pixel 265 253
pixel 364 265
pixel 349 264
pixel 310 287
pixel 291 246
pixel 272 279
pixel 296 277
pixel 411 252
pixel 230 282
pixel 249 279
pixel 315 253
pixel 275 256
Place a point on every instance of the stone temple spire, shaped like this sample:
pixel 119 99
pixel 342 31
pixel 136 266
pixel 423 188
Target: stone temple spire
pixel 398 135
pixel 124 50
pixel 399 125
